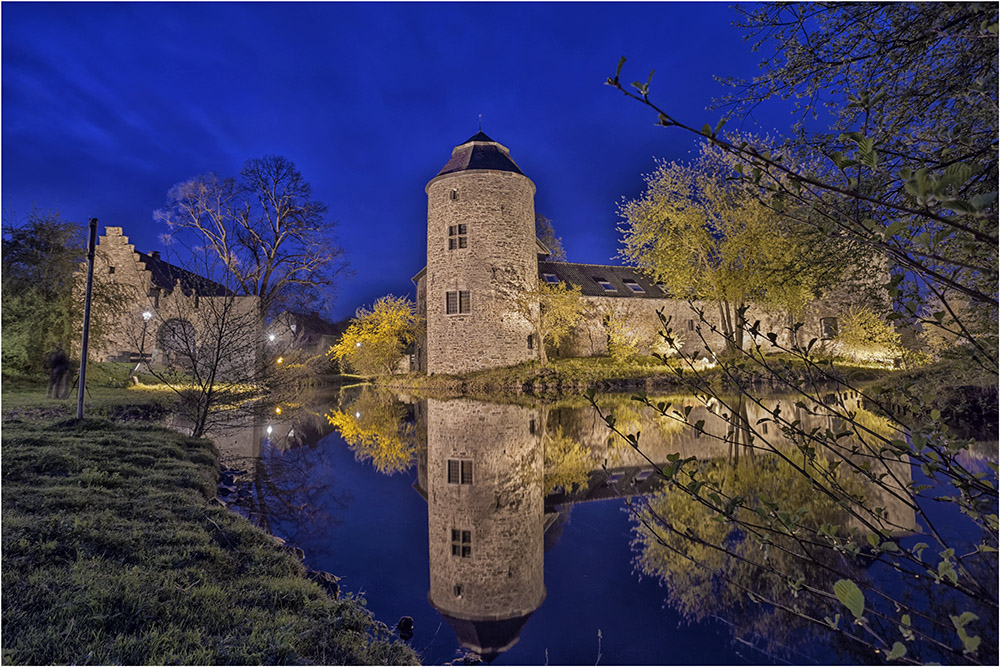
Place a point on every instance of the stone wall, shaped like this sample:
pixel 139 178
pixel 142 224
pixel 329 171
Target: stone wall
pixel 177 321
pixel 500 257
pixel 590 337
pixel 502 508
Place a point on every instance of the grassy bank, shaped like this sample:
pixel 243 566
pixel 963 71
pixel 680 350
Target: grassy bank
pixel 112 553
pixel 564 377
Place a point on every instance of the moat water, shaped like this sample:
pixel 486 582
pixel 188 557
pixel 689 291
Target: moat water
pixel 525 535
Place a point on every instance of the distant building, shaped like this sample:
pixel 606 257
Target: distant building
pixel 481 244
pixel 304 331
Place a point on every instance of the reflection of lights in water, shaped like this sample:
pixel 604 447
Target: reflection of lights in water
pixel 357 415
pixel 277 410
pixel 269 429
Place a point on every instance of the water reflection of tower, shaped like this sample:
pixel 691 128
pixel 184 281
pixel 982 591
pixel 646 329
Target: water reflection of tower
pixel 485 516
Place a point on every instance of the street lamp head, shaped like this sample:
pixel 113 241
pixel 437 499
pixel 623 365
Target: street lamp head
pixel 271 337
pixel 358 344
pixel 146 315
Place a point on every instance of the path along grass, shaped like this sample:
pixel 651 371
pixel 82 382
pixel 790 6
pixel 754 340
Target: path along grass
pixel 113 554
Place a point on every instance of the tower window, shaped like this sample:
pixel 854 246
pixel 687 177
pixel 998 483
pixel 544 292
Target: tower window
pixel 456 303
pixel 605 284
pixel 454 195
pixel 111 270
pixel 461 543
pixel 550 277
pixel 828 327
pixel 690 325
pixel 459 472
pixel 531 341
pixel 634 286
pixel 457 236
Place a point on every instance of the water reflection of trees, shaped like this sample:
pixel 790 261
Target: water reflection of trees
pixel 378 428
pixel 276 475
pixel 760 537
pixel 713 568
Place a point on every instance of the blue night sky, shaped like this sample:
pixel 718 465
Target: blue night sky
pixel 105 106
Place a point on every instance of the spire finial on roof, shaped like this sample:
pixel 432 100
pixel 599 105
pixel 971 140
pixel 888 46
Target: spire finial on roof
pixel 480 122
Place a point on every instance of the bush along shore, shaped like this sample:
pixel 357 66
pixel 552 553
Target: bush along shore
pixel 114 553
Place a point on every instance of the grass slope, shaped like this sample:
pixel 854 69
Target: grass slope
pixel 112 554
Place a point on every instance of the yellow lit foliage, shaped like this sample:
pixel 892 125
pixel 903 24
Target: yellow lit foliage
pixel 377 338
pixel 567 463
pixel 865 336
pixel 373 426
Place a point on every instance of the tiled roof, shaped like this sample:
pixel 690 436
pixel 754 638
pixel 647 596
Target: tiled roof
pixel 586 276
pixel 480 152
pixel 166 275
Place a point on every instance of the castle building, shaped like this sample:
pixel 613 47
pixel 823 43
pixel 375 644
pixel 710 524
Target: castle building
pixel 481 246
pixel 166 310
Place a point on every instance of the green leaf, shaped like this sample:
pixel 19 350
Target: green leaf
pixel 706 129
pixel 618 71
pixel 970 643
pixel 897 652
pixel 850 596
pixel 963 620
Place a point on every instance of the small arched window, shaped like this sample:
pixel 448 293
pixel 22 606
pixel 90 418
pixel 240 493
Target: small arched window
pixel 454 194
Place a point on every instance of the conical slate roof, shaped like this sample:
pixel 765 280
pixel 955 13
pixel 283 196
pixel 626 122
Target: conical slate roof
pixel 488 638
pixel 480 152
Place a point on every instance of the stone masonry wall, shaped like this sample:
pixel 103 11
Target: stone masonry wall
pixel 116 263
pixel 498 209
pixel 503 577
pixel 590 337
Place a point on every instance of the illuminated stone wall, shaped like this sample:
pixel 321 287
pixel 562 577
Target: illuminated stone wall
pixel 498 210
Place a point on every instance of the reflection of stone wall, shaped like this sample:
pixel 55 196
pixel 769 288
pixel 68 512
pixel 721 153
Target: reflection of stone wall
pixel 502 578
pixel 661 436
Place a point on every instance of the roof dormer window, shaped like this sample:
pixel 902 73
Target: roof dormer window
pixel 605 284
pixel 550 277
pixel 634 286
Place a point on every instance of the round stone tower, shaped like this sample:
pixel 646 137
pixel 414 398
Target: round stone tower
pixel 481 250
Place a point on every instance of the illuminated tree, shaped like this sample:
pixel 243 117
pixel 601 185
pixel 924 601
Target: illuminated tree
pixel 376 339
pixel 551 309
pixel 705 237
